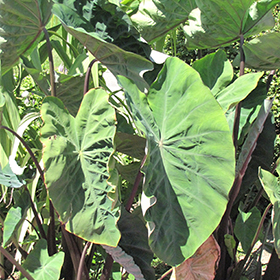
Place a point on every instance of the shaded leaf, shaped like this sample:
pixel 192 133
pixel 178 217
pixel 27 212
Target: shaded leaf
pixel 124 260
pixel 134 241
pixel 246 226
pixel 95 28
pixel 220 22
pixel 132 145
pixel 202 265
pixel 76 152
pixel 215 71
pixel 40 265
pixel 253 135
pixel 155 18
pixel 271 186
pixel 20 27
pixel 230 244
pixel 184 187
pixel 262 53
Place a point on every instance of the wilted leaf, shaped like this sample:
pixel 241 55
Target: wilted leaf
pixel 76 152
pixel 202 265
pixel 190 165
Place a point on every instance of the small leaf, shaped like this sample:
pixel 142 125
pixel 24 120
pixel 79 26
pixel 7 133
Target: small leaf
pixel 40 265
pixel 230 244
pixel 14 218
pixel 132 145
pixel 238 90
pixel 246 226
pixel 202 265
pixel 9 179
pixel 215 71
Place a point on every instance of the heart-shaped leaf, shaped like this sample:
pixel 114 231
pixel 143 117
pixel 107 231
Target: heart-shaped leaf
pixel 40 265
pixel 21 24
pixel 190 166
pixel 75 155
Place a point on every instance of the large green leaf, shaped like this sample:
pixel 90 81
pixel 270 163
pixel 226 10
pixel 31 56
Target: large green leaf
pixel 21 24
pixel 155 18
pixel 76 152
pixel 190 166
pixel 40 265
pixel 262 53
pixel 221 22
pixel 107 35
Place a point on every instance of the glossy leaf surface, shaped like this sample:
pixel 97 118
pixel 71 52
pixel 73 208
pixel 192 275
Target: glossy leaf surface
pixel 21 24
pixel 184 187
pixel 75 155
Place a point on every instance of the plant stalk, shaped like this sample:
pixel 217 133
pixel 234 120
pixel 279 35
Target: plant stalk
pixel 86 84
pixel 51 63
pixel 82 266
pixel 16 264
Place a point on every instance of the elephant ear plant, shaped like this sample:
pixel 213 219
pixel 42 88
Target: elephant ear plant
pixel 170 167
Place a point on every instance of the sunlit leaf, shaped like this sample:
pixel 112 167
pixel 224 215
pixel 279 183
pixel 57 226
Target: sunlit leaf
pixel 220 22
pixel 190 165
pixel 155 18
